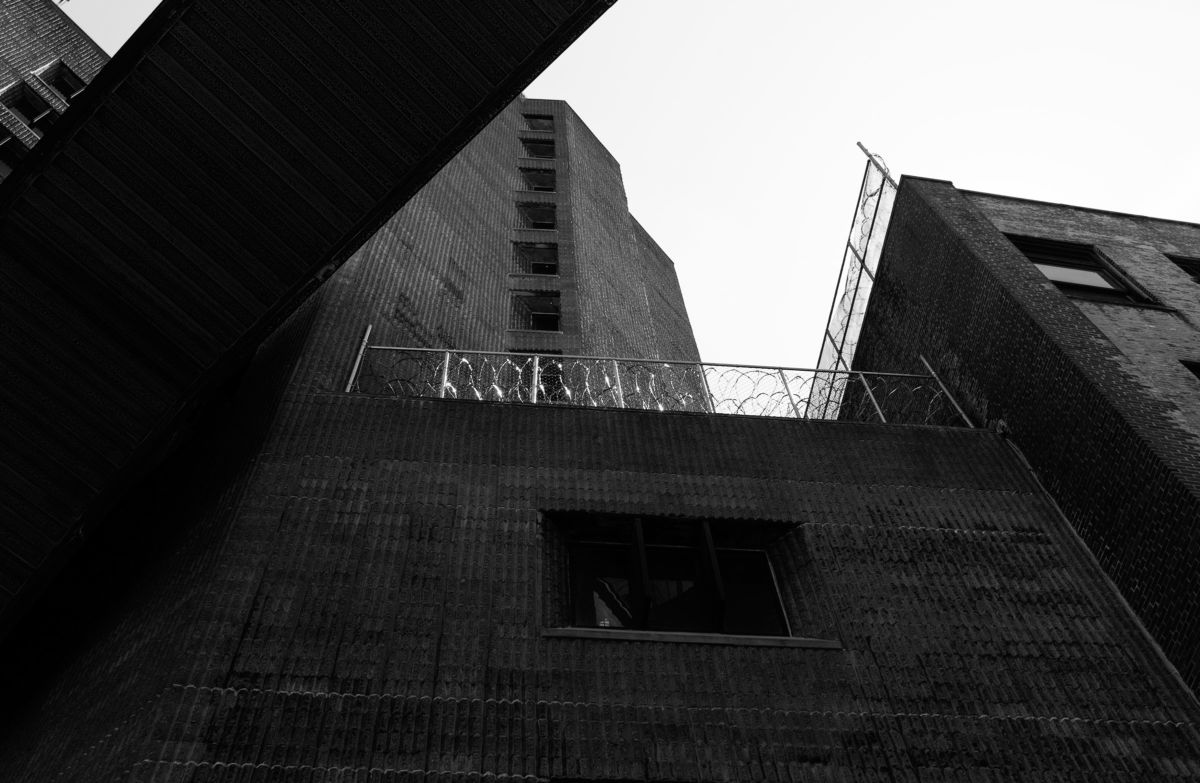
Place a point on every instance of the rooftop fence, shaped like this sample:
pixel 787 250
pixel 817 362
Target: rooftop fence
pixel 653 385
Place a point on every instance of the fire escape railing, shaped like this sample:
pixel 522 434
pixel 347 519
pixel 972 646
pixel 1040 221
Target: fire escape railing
pixel 653 385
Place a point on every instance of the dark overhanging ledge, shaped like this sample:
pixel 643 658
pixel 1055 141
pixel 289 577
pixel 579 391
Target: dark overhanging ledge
pixel 681 637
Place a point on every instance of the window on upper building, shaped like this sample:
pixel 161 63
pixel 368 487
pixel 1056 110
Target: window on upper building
pixel 539 311
pixel 1189 265
pixel 538 148
pixel 544 216
pixel 1078 270
pixel 539 122
pixel 536 258
pixel 29 108
pixel 665 574
pixel 540 180
pixel 65 82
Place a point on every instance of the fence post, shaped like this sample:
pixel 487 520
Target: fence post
pixel 533 392
pixel 362 348
pixel 712 401
pixel 617 381
pixel 445 375
pixel 791 399
pixel 946 391
pixel 871 394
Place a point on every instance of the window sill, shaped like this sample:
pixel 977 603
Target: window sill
pixel 682 637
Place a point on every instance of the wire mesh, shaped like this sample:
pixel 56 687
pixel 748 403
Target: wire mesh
pixel 641 384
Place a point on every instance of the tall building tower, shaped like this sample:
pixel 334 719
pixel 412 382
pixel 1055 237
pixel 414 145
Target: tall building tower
pixel 45 62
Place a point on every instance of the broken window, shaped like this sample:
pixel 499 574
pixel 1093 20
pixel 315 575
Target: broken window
pixel 665 574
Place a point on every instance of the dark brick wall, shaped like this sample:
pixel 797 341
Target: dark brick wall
pixel 369 603
pixel 1093 393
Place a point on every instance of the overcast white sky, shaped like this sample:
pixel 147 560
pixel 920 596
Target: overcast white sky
pixel 735 124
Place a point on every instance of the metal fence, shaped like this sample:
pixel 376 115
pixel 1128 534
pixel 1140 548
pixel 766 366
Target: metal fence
pixel 860 259
pixel 642 384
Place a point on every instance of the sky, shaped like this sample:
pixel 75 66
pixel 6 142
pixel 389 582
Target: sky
pixel 735 125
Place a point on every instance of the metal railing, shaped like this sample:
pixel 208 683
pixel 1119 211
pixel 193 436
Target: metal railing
pixel 645 384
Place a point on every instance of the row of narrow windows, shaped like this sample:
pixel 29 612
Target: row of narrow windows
pixel 33 111
pixel 537 310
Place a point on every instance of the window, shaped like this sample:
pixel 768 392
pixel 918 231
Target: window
pixel 537 216
pixel 536 258
pixel 540 180
pixel 539 122
pixel 537 311
pixel 1078 270
pixel 538 148
pixel 11 152
pixel 659 574
pixel 65 82
pixel 1189 265
pixel 30 108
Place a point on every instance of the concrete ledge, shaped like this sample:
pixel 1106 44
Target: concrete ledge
pixel 625 635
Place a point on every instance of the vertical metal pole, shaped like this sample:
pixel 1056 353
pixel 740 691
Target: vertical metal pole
pixel 871 394
pixel 791 399
pixel 712 401
pixel 533 391
pixel 445 376
pixel 362 348
pixel 617 381
pixel 946 391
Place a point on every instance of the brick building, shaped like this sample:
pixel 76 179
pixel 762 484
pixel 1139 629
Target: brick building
pixel 1075 331
pixel 336 576
pixel 45 62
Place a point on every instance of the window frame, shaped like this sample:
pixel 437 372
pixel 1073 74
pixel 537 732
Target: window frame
pixel 531 147
pixel 526 220
pixel 525 320
pixel 711 585
pixel 532 120
pixel 1057 254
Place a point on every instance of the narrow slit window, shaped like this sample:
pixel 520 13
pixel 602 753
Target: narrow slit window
pixel 536 258
pixel 538 148
pixel 540 216
pixel 538 311
pixel 539 180
pixel 539 122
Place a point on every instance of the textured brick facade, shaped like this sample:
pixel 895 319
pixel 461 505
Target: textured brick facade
pixel 369 599
pixel 441 272
pixel 1094 393
pixel 34 36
